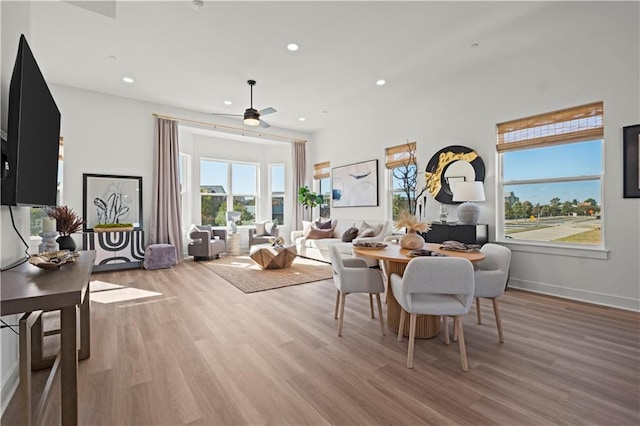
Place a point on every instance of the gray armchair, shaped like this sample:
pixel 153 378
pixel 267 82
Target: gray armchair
pixel 260 235
pixel 204 245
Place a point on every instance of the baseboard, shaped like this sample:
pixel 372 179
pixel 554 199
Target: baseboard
pixel 626 303
pixel 9 386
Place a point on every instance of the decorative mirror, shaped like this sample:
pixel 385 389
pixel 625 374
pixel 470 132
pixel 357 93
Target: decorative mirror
pixel 450 165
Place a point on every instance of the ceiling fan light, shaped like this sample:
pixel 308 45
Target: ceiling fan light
pixel 251 117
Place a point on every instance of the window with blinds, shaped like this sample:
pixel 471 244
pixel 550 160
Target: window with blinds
pixel 400 161
pixel 551 171
pixel 400 155
pixel 322 175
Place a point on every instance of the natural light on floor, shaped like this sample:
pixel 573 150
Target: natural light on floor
pixel 104 292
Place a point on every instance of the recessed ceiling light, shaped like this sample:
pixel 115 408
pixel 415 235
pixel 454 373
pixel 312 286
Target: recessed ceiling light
pixel 227 102
pixel 292 47
pixel 127 80
pixel 301 119
pixel 474 45
pixel 113 57
pixel 381 82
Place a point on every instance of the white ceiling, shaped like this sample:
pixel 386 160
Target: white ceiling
pixel 196 59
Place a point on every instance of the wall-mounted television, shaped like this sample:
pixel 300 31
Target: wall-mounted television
pixel 30 153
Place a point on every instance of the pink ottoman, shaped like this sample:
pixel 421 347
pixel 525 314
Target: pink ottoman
pixel 159 256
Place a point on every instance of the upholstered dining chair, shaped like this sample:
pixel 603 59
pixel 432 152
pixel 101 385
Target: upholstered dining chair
pixel 441 286
pixel 353 275
pixel 491 278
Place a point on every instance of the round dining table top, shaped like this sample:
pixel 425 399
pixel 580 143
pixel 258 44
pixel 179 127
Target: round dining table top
pixel 394 253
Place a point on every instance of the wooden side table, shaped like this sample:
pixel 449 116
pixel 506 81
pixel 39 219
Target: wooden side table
pixel 233 244
pixel 269 257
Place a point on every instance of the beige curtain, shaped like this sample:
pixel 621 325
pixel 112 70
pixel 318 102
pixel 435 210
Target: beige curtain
pixel 166 226
pixel 299 170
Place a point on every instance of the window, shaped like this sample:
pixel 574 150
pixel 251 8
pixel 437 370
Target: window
pixel 226 186
pixel 322 176
pixel 551 176
pixel 37 213
pixel 277 193
pixel 401 164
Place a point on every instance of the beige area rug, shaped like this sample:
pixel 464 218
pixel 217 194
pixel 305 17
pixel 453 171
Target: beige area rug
pixel 247 276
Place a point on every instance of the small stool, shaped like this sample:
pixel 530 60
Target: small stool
pixel 159 256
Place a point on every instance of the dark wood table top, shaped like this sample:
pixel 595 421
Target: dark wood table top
pixel 28 288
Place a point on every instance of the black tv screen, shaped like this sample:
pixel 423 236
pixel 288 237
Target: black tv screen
pixel 30 153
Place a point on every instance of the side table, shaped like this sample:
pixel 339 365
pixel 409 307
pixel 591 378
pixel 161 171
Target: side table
pixel 233 244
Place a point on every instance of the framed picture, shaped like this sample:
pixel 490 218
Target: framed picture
pixel 355 185
pixel 631 168
pixel 111 199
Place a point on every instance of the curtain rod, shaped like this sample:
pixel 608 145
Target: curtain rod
pixel 235 129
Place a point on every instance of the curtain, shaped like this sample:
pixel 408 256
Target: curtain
pixel 299 165
pixel 166 226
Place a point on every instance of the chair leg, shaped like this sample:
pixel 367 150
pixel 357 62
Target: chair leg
pixel 343 297
pixel 403 318
pixel 457 324
pixel 412 338
pixel 496 311
pixel 445 327
pixel 335 315
pixel 478 310
pixel 455 331
pixel 371 305
pixel 384 333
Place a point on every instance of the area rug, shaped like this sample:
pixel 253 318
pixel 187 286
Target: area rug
pixel 248 277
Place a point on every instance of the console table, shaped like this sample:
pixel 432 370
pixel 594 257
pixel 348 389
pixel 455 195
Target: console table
pixel 115 249
pixel 30 289
pixel 468 234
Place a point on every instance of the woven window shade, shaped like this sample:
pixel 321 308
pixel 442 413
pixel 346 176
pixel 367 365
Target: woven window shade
pixel 61 149
pixel 322 170
pixel 576 124
pixel 400 155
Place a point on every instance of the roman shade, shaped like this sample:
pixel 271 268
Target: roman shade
pixel 400 155
pixel 322 170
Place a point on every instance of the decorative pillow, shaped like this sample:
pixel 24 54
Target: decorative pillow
pixel 368 232
pixel 317 234
pixel 349 234
pixel 376 228
pixel 306 227
pixel 271 228
pixel 329 224
pixel 261 229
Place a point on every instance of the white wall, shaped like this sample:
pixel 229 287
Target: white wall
pixel 464 110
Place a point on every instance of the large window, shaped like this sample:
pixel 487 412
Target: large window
pixel 277 193
pixel 322 176
pixel 403 178
pixel 227 186
pixel 551 177
pixel 37 213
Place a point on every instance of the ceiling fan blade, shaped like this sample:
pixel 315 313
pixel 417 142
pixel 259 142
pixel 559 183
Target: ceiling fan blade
pixel 268 110
pixel 264 124
pixel 230 115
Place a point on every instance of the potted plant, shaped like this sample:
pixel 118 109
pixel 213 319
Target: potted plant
pixel 308 198
pixel 411 240
pixel 106 227
pixel 67 223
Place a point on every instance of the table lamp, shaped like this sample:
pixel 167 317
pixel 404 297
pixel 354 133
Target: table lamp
pixel 468 212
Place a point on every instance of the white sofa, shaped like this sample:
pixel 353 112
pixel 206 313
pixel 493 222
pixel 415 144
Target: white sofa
pixel 318 249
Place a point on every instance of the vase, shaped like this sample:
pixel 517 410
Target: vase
pixel 411 240
pixel 66 243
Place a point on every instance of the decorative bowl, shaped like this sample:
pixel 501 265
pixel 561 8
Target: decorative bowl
pixel 53 259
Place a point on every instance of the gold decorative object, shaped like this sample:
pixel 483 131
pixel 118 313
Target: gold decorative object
pixel 434 179
pixel 278 242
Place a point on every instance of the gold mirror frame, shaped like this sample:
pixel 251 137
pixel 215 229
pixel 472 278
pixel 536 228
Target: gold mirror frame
pixel 437 184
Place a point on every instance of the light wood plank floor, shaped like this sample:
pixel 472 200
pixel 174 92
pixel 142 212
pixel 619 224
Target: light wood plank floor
pixel 204 353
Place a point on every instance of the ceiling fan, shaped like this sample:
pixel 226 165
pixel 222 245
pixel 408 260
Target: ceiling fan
pixel 251 116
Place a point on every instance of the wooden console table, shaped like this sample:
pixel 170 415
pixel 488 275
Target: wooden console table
pixel 32 290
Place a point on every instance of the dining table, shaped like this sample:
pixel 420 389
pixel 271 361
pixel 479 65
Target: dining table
pixel 394 261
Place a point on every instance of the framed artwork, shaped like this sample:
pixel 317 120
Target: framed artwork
pixel 355 185
pixel 111 199
pixel 450 165
pixel 631 168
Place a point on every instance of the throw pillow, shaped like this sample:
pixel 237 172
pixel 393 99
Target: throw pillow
pixel 368 232
pixel 349 234
pixel 271 228
pixel 260 228
pixel 324 225
pixel 317 234
pixel 306 227
pixel 376 228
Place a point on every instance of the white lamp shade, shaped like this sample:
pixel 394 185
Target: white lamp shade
pixel 468 191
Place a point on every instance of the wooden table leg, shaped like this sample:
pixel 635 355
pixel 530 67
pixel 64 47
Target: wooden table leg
pixel 69 366
pixel 85 327
pixel 427 326
pixel 25 367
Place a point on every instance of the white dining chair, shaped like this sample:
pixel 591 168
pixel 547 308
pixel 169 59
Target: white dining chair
pixel 491 278
pixel 352 275
pixel 441 286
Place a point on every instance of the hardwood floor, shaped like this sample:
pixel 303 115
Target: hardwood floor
pixel 204 353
